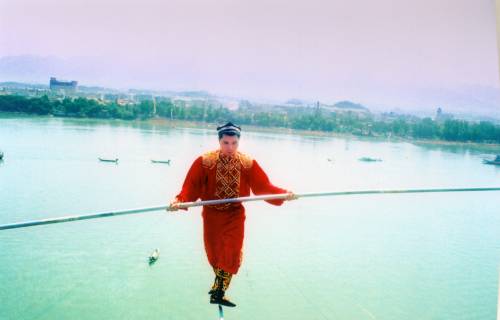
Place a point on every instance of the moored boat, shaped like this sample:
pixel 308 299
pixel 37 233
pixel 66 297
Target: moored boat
pixel 494 162
pixel 108 160
pixel 161 161
pixel 368 159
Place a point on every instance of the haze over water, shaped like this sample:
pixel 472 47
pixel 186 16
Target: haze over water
pixel 415 256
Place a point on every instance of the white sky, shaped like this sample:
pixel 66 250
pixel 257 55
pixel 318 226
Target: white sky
pixel 325 49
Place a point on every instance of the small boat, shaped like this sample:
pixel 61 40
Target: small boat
pixel 1 155
pixel 368 159
pixel 494 162
pixel 161 161
pixel 109 160
pixel 154 256
pixel 497 163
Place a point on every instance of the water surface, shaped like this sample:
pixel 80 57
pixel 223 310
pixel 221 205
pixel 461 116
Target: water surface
pixel 414 256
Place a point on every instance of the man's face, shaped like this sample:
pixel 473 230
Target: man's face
pixel 229 145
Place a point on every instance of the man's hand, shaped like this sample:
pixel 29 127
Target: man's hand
pixel 291 196
pixel 174 205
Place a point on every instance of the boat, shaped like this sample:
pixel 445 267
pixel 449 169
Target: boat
pixel 497 163
pixel 108 160
pixel 493 162
pixel 1 155
pixel 161 161
pixel 154 256
pixel 368 159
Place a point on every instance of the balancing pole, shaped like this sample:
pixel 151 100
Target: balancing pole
pixel 186 205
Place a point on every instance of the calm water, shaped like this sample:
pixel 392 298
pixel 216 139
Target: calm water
pixel 420 256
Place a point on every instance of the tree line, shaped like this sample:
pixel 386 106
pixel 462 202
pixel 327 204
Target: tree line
pixel 317 119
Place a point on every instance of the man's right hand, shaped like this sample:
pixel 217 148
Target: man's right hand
pixel 174 205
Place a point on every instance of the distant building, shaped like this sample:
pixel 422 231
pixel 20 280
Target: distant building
pixel 344 107
pixel 143 97
pixel 115 96
pixel 67 86
pixel 124 101
pixel 295 102
pixel 231 105
pixel 441 116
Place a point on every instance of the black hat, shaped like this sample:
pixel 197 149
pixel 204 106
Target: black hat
pixel 229 128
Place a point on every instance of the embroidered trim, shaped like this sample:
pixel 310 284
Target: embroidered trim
pixel 227 174
pixel 246 160
pixel 209 159
pixel 227 180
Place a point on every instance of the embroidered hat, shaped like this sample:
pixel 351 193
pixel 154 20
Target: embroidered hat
pixel 229 128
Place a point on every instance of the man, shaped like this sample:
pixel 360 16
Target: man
pixel 221 174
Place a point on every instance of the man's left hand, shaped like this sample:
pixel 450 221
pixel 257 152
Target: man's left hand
pixel 291 196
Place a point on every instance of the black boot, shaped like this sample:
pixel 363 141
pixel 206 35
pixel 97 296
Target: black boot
pixel 221 283
pixel 218 298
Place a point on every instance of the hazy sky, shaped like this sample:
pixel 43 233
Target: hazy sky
pixel 316 49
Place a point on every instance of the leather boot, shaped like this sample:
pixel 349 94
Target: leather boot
pixel 221 284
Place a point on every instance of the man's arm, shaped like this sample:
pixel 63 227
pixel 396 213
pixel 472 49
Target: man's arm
pixel 191 188
pixel 260 184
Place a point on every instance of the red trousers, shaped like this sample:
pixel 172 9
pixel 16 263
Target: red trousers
pixel 223 233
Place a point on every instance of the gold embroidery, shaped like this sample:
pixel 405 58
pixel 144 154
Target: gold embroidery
pixel 246 160
pixel 222 280
pixel 226 279
pixel 227 174
pixel 227 180
pixel 209 159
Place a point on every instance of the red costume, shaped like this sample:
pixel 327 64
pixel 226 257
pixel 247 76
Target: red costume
pixel 215 176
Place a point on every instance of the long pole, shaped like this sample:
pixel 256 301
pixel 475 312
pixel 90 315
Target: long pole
pixel 185 205
pixel 78 217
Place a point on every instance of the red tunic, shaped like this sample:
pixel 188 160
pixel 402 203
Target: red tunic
pixel 215 176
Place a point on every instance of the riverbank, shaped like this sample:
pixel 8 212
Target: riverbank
pixel 167 123
pixel 486 147
pixel 312 121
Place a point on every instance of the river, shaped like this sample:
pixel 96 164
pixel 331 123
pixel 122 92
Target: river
pixel 413 256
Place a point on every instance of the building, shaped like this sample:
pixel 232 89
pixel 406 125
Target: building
pixel 67 86
pixel 441 116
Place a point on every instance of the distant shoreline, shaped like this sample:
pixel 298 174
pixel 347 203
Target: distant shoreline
pixel 164 122
pixel 303 120
pixel 250 128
